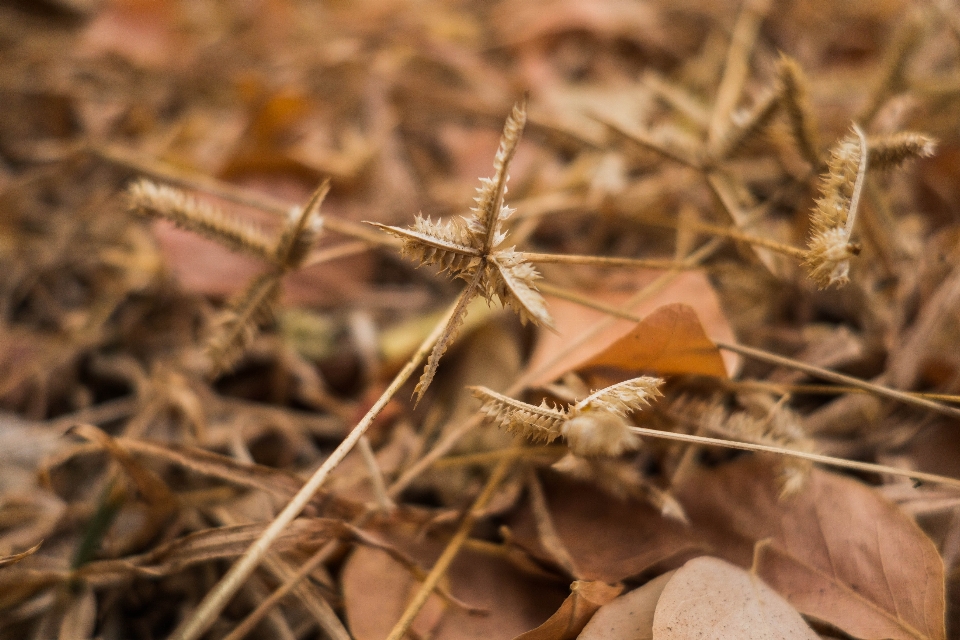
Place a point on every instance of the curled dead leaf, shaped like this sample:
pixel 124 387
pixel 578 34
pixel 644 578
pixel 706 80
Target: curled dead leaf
pixel 711 598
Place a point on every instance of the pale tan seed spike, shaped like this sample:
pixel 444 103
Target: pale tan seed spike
pixel 487 218
pixel 621 398
pixel 829 249
pixel 435 243
pixel 513 282
pixel 893 150
pixel 238 323
pixel 148 198
pixel 448 336
pixel 796 102
pixel 538 424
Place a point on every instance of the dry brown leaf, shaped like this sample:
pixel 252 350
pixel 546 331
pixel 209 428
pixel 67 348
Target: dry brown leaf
pixel 376 591
pixel 669 340
pixel 153 489
pixel 628 617
pixel 691 288
pixel 575 612
pixel 609 539
pixel 241 474
pixel 838 551
pixel 710 598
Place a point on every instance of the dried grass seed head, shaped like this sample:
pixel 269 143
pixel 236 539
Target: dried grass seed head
pixel 595 426
pixel 469 248
pixel 792 87
pixel 893 150
pixel 147 198
pixel 829 248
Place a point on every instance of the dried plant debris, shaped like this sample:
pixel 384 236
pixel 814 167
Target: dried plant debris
pixel 471 248
pixel 693 181
pixel 775 425
pixel 254 306
pixel 594 426
pixel 832 220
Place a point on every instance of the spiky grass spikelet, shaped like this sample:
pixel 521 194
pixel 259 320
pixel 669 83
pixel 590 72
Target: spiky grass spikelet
pixel 513 281
pixel 595 426
pixel 894 150
pixel 796 102
pixel 469 248
pixel 829 248
pixel 778 426
pixel 490 212
pixel 147 198
pixel 236 325
pixel 540 424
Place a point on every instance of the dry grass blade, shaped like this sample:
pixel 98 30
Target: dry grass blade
pixel 14 558
pixel 214 465
pixel 153 489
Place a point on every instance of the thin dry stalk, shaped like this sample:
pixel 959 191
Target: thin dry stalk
pixel 813 457
pixel 603 261
pixel 450 552
pixel 737 66
pixel 214 602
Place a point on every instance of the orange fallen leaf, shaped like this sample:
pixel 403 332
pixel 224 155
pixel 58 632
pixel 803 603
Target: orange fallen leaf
pixel 669 340
pixel 584 600
pixel 711 598
pixel 838 551
pixel 573 320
